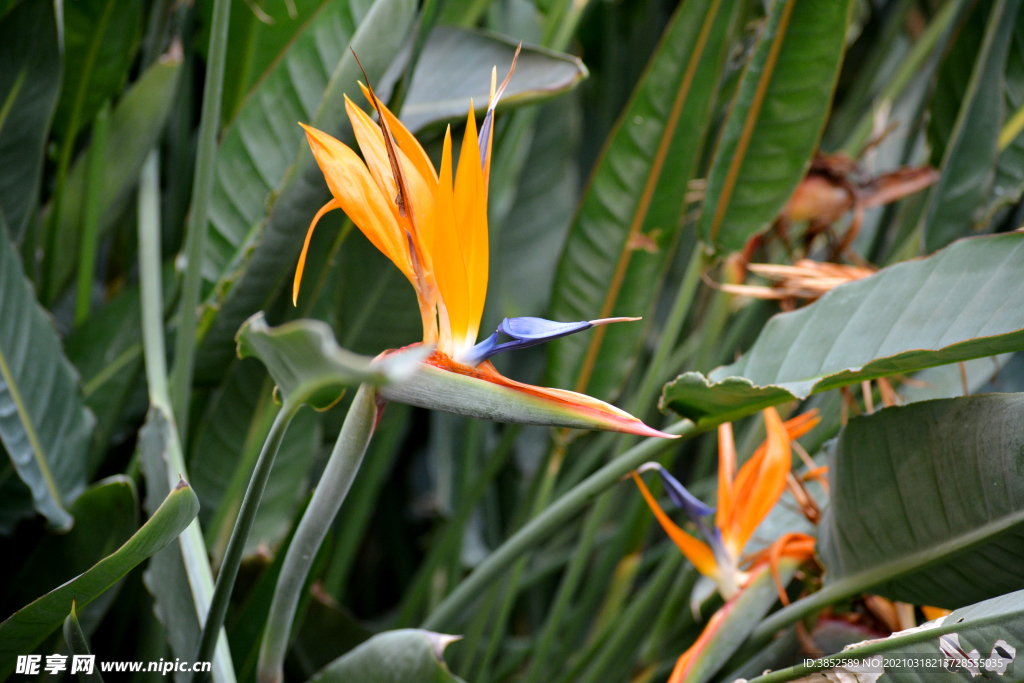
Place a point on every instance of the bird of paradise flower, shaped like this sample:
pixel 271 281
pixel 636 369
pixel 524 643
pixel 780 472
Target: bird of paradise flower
pixel 434 229
pixel 744 499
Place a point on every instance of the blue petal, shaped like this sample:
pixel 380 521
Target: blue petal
pixel 695 508
pixel 526 332
pixel 539 329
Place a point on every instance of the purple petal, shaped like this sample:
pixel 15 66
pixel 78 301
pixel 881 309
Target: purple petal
pixel 695 508
pixel 526 332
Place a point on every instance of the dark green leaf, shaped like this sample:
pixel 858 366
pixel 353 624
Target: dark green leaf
pixel 77 643
pixel 1008 185
pixel 405 656
pixel 982 630
pixel 136 123
pixel 107 350
pixel 264 161
pixel 963 302
pixel 944 481
pixel 30 74
pixel 455 67
pixel 44 425
pixel 775 121
pixel 631 213
pixel 100 41
pixel 968 165
pixel 106 515
pixel 304 360
pixel 23 631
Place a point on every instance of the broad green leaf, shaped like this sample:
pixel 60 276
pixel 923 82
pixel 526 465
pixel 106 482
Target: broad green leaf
pixel 100 41
pixel 228 441
pixel 377 305
pixel 136 124
pixel 944 481
pixel 456 65
pixel 404 656
pixel 989 631
pixel 968 165
pixel 107 351
pixel 623 235
pixel 526 248
pixel 775 121
pixel 106 515
pixel 30 75
pixel 44 425
pixel 24 630
pixel 744 612
pixel 78 644
pixel 257 45
pixel 962 302
pixel 268 186
pixel 306 362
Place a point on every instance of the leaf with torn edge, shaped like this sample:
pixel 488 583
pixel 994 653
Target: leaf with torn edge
pixel 965 301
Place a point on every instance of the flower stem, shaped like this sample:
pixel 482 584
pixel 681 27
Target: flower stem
pixel 316 521
pixel 240 534
pixel 553 518
pixel 195 240
pixel 91 215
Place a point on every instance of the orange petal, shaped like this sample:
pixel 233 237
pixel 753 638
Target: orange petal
pixel 371 144
pixel 695 551
pixel 759 484
pixel 794 545
pixel 329 206
pixel 408 143
pixel 471 222
pixel 726 473
pixel 448 251
pixel 358 195
pixel 802 423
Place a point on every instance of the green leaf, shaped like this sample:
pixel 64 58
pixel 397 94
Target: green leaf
pixel 963 302
pixel 775 121
pixel 968 165
pixel 265 162
pixel 257 46
pixel 106 516
pixel 404 656
pixel 136 123
pixel 635 200
pixel 977 629
pixel 30 75
pixel 107 351
pixel 77 643
pixel 455 67
pixel 44 425
pixel 100 41
pixel 227 444
pixel 944 480
pixel 306 362
pixel 1008 185
pixel 24 630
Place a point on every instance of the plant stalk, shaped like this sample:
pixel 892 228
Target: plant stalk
pixel 195 240
pixel 551 520
pixel 316 521
pixel 240 534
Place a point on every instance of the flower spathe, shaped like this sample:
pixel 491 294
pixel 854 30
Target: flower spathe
pixel 432 224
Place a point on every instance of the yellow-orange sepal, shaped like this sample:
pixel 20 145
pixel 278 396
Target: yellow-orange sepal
pixel 697 552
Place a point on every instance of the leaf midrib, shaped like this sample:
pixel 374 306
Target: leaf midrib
pixel 30 431
pixel 748 124
pixel 643 205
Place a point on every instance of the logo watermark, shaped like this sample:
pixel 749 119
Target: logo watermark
pixel 32 665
